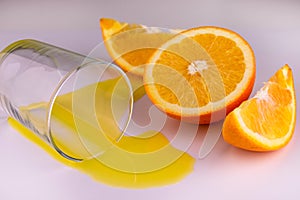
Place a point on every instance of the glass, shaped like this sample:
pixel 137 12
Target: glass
pixel 69 100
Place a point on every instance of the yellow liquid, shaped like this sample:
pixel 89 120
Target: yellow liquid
pixel 168 166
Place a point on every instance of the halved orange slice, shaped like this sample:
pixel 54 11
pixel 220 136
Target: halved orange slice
pixel 201 74
pixel 131 45
pixel 265 122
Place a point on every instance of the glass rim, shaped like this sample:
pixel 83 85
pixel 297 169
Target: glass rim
pixel 58 89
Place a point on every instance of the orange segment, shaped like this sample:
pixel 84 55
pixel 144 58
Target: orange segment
pixel 131 45
pixel 267 121
pixel 227 57
pixel 201 74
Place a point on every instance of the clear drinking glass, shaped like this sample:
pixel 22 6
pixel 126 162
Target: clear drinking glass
pixel 78 105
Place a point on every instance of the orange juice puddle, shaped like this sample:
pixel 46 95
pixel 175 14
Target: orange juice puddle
pixel 151 141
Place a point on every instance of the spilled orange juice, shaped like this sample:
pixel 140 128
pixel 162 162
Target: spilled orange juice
pixel 146 160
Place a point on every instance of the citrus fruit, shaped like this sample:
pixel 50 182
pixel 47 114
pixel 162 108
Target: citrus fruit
pixel 131 45
pixel 265 122
pixel 200 74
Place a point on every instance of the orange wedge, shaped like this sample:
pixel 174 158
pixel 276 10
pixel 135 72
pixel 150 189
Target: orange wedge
pixel 267 121
pixel 201 74
pixel 131 45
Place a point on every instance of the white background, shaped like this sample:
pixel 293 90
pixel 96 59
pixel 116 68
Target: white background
pixel 271 27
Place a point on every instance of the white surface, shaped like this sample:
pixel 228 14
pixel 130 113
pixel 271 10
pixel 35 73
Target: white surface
pixel 271 27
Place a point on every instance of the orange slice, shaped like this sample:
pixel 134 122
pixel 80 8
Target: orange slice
pixel 267 121
pixel 201 74
pixel 131 45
